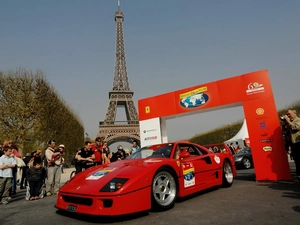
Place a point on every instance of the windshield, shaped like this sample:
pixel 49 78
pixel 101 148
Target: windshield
pixel 153 151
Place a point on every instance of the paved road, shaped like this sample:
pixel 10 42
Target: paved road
pixel 246 202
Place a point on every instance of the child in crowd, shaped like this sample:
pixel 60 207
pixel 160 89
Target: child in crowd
pixel 35 176
pixel 7 163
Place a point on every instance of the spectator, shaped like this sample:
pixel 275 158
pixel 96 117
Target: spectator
pixel 7 163
pixel 105 153
pixel 85 157
pixel 97 148
pixel 26 160
pixel 231 148
pixel 119 155
pixel 286 130
pixel 15 153
pixel 134 147
pixel 37 156
pixel 53 168
pixel 35 177
pixel 294 123
pixel 61 149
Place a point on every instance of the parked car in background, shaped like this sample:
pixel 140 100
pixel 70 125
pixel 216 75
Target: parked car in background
pixel 243 158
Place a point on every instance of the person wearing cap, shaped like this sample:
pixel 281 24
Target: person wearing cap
pixel 119 155
pixel 53 168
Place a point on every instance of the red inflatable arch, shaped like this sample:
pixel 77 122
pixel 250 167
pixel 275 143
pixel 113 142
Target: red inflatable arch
pixel 253 91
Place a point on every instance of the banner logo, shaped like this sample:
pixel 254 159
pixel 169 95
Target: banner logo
pixel 254 88
pixel 267 148
pixel 260 111
pixel 193 98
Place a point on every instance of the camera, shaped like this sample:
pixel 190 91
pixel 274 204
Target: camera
pixel 58 150
pixel 282 117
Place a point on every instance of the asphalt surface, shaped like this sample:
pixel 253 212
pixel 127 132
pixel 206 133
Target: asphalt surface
pixel 246 202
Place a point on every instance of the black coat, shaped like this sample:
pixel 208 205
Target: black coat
pixel 34 174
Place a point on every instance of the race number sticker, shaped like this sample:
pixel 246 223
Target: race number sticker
pixel 98 174
pixel 188 174
pixel 217 159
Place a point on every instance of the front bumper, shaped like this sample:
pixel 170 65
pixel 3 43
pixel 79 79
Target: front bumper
pixel 105 204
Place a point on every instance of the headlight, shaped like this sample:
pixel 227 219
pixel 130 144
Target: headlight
pixel 114 185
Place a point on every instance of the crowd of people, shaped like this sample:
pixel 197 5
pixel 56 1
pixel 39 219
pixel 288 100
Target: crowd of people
pixel 99 153
pixel 40 171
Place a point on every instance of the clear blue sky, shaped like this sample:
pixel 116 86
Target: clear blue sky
pixel 170 44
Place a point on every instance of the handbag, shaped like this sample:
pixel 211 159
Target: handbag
pixel 20 162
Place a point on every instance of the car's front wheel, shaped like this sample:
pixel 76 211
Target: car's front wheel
pixel 164 190
pixel 246 163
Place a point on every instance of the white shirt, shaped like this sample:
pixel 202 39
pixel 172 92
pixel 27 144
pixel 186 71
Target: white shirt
pixel 4 160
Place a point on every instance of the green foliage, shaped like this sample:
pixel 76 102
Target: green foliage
pixel 31 113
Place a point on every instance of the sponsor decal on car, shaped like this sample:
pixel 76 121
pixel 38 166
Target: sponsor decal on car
pixel 265 140
pixel 188 174
pixel 99 174
pixel 267 148
pixel 217 159
pixel 254 88
pixel 193 98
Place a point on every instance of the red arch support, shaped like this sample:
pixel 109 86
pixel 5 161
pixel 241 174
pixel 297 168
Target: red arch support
pixel 253 91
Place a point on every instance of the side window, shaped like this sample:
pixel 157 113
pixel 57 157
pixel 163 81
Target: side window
pixel 193 150
pixel 202 152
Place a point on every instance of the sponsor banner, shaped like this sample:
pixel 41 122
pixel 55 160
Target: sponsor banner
pixel 150 132
pixel 252 90
pixel 197 97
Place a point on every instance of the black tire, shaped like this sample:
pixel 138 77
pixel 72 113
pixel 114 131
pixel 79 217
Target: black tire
pixel 72 174
pixel 246 162
pixel 227 176
pixel 164 190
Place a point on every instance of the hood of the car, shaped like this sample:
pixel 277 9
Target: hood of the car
pixel 139 173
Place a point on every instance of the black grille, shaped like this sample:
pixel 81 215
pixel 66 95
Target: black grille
pixel 78 200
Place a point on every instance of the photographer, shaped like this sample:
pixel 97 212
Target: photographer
pixel 54 160
pixel 293 122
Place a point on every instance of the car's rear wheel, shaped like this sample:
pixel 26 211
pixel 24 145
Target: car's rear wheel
pixel 164 190
pixel 227 174
pixel 246 163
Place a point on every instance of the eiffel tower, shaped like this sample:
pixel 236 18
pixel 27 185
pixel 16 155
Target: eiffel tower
pixel 120 95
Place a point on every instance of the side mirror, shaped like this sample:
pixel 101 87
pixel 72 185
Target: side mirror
pixel 184 154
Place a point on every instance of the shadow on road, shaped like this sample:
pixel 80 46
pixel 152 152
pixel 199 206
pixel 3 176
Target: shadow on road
pixel 102 219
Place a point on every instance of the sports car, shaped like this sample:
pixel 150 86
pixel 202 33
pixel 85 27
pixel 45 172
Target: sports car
pixel 243 158
pixel 151 178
